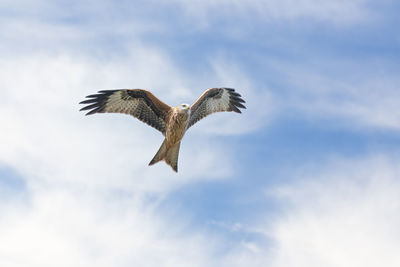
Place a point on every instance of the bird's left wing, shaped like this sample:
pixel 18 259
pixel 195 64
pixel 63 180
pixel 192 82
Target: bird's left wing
pixel 139 103
pixel 215 100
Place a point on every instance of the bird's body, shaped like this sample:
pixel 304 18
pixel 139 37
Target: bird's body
pixel 172 122
pixel 178 123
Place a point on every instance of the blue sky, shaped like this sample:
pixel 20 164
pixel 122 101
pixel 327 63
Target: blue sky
pixel 308 175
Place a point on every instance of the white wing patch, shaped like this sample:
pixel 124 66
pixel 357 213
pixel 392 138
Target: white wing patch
pixel 218 104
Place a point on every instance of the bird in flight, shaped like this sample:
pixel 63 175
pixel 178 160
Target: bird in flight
pixel 172 122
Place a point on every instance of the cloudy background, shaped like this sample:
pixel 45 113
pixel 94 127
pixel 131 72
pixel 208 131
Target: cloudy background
pixel 308 175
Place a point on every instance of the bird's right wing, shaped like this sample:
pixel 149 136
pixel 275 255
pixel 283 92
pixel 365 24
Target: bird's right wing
pixel 139 103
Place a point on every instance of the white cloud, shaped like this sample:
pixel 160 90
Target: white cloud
pixel 364 98
pixel 332 11
pixel 65 228
pixel 343 214
pixel 141 16
pixel 351 92
pixel 346 215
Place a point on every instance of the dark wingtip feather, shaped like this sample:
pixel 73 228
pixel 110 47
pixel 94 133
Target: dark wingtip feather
pixel 96 102
pixel 175 167
pixel 108 92
pixel 236 94
pixel 235 109
pixel 95 105
pixel 239 105
pixel 88 101
pixel 236 100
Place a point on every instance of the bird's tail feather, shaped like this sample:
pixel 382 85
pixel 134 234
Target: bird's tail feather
pixel 161 153
pixel 172 156
pixel 169 154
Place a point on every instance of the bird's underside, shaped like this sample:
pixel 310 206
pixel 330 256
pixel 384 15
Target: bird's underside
pixel 172 122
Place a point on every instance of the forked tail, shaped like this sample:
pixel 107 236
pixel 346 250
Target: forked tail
pixel 170 155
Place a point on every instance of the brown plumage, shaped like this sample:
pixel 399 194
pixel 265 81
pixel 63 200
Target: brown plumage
pixel 172 122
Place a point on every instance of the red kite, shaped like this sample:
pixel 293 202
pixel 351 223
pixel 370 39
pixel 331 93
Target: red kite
pixel 172 122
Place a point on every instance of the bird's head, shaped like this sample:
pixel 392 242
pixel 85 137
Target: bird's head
pixel 183 108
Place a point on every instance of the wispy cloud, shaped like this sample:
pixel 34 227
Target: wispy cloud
pixel 82 229
pixel 337 12
pixel 366 97
pixel 345 215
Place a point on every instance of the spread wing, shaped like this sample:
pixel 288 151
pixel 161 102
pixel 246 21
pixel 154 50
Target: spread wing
pixel 215 100
pixel 139 103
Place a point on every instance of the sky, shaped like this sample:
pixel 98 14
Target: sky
pixel 308 175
